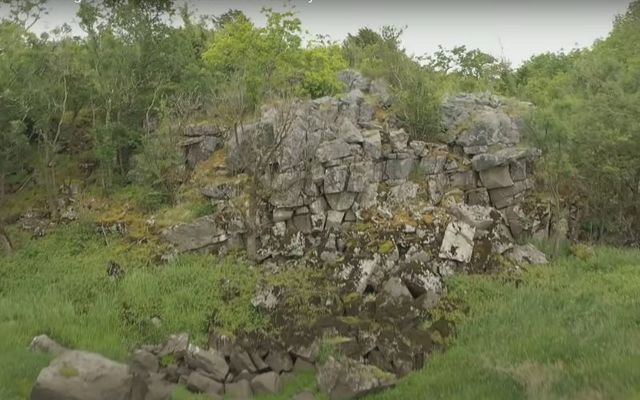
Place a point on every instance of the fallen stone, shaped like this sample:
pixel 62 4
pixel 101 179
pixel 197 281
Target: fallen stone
pixel 240 390
pixel 279 361
pixel 209 361
pixel 176 345
pixel 267 383
pixel 145 361
pixel 395 291
pixel 240 360
pixel 458 244
pixel 199 383
pixel 78 375
pixel 45 344
pixel 347 379
pixel 199 234
pixel 526 254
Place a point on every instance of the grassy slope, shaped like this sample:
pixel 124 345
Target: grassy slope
pixel 571 330
pixel 59 286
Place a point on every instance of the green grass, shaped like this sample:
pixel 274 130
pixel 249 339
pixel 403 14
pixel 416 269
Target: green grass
pixel 571 330
pixel 59 286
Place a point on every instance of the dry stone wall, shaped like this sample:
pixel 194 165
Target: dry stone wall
pixel 387 217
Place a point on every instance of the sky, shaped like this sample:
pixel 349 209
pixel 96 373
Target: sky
pixel 510 29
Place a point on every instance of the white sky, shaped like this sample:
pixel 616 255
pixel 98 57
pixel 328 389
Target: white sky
pixel 515 29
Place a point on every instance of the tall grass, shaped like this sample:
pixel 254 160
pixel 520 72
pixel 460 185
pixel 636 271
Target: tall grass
pixel 570 330
pixel 59 286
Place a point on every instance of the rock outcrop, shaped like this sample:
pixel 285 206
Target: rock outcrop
pixel 387 217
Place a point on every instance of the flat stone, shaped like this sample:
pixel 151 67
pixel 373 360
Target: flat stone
pixel 484 161
pixel 335 179
pixel 505 197
pixel 199 234
pixel 398 169
pixel 341 201
pixel 280 215
pixel 464 180
pixel 457 243
pixel 332 150
pixel 496 177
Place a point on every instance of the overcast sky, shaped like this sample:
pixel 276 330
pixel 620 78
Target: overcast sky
pixel 514 29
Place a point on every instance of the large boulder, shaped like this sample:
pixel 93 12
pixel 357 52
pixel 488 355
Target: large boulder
pixel 481 162
pixel 78 375
pixel 478 121
pixel 346 379
pixel 200 234
pixel 527 254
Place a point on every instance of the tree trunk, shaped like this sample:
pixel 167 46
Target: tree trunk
pixel 252 212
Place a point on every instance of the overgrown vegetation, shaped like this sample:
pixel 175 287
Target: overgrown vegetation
pixel 60 286
pixel 567 331
pixel 117 98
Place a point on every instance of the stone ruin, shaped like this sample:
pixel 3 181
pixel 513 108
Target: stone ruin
pixel 384 217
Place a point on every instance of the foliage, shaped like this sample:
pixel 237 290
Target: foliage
pixel 160 164
pixel 586 128
pixel 321 65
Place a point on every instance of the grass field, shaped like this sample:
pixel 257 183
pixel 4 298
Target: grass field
pixel 570 330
